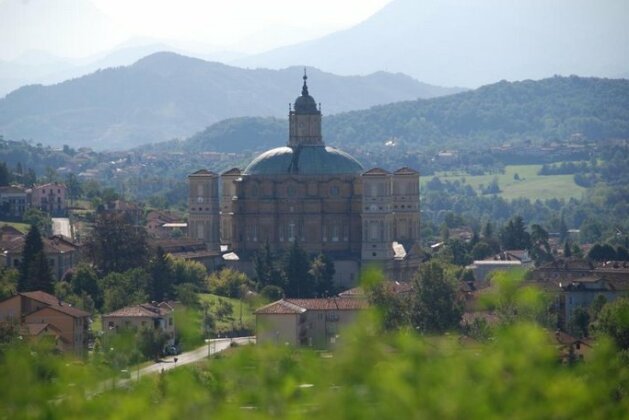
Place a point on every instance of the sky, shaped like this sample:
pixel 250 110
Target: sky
pixel 79 28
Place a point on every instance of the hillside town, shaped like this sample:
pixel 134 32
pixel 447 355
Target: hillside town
pixel 361 209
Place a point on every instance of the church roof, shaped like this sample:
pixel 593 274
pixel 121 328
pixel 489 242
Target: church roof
pixel 375 172
pixel 305 104
pixel 304 160
pixel 406 171
pixel 232 171
pixel 204 172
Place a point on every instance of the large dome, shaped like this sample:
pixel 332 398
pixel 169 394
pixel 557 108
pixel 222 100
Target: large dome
pixel 304 160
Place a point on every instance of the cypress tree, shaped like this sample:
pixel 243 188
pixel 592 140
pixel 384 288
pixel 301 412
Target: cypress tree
pixel 34 271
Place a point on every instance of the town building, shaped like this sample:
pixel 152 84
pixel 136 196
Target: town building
pixel 314 323
pixel 315 195
pixel 42 314
pixel 13 202
pixel 62 254
pixel 504 261
pixel 158 316
pixel 581 292
pixel 50 198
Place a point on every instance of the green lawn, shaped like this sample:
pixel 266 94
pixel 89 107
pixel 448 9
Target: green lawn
pixel 22 227
pixel 530 185
pixel 247 311
pixel 189 321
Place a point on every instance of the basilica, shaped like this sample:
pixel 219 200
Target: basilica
pixel 314 194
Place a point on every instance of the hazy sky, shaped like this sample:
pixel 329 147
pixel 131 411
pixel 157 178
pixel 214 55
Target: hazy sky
pixel 83 27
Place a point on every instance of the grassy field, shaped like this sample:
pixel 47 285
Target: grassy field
pixel 530 185
pixel 22 227
pixel 189 321
pixel 248 318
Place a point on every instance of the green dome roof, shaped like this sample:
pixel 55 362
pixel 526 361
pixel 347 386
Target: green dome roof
pixel 304 160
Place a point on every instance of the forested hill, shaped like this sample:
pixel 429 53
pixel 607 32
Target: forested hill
pixel 545 110
pixel 166 95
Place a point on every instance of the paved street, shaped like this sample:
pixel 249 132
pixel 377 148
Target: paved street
pixel 215 346
pixel 61 226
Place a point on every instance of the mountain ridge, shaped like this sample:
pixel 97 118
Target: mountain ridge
pixel 166 95
pixel 551 109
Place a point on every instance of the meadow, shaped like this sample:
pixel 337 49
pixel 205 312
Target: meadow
pixel 527 184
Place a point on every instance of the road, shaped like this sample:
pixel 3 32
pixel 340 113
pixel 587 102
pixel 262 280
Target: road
pixel 61 226
pixel 215 346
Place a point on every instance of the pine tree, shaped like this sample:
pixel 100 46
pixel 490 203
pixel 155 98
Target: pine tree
pixel 567 251
pixel 161 276
pixel 34 271
pixel 296 267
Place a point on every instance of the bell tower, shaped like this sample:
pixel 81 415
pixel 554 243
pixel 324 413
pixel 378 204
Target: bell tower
pixel 203 205
pixel 305 120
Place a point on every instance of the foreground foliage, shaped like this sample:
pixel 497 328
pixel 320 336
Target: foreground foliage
pixel 515 375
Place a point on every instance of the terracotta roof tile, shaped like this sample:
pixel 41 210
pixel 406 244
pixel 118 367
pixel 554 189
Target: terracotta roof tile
pixel 330 304
pixel 280 307
pixel 55 303
pixel 140 311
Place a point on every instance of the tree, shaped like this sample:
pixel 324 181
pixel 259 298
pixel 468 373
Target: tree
pixel 322 272
pixel 567 251
pixel 296 266
pixel 481 251
pixel 8 282
pixel 187 294
pixel 436 307
pixel 34 271
pixel 579 323
pixel 117 246
pixel 123 289
pixel 613 320
pixel 36 217
pixel 540 248
pixel 263 266
pixel 227 282
pixel 161 282
pixel 514 235
pixel 73 187
pixel 488 230
pixel 622 254
pixel 84 279
pixel 603 252
pixel 151 342
pixel 5 175
pixel 394 309
pixel 187 271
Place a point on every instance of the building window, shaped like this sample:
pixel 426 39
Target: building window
pixel 200 233
pixel 291 191
pixel 334 191
pixel 335 233
pixel 374 231
pixel 291 232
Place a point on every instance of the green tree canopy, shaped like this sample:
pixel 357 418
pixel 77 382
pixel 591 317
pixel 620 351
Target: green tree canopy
pixel 34 270
pixel 436 307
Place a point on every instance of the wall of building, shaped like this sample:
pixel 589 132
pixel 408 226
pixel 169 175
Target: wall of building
pixel 324 329
pixel 277 328
pixel 11 309
pixel 71 329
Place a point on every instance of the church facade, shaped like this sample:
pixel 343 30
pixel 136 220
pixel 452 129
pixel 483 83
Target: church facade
pixel 309 193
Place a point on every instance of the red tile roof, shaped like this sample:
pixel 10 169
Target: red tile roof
pixel 55 303
pixel 280 307
pixel 330 304
pixel 298 306
pixel 141 311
